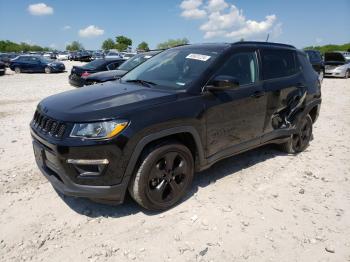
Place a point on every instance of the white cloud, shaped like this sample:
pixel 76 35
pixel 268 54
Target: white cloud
pixel 216 5
pixel 66 27
pixel 224 20
pixel 91 31
pixel 40 9
pixel 191 9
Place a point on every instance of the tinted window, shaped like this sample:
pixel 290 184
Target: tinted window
pixel 242 66
pixel 278 63
pixel 114 65
pixel 313 56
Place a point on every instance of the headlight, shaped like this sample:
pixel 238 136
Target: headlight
pixel 99 130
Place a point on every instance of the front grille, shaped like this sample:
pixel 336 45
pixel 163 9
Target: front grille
pixel 48 125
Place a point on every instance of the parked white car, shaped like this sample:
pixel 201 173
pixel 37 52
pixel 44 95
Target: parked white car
pixel 126 56
pixel 113 54
pixel 337 64
pixel 63 56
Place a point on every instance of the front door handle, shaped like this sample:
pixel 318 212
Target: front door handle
pixel 258 94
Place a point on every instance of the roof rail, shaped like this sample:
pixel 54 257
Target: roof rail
pixel 262 43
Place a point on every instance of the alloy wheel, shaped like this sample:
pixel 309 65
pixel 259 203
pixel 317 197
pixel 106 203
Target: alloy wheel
pixel 168 178
pixel 302 138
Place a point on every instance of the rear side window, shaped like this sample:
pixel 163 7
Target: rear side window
pixel 113 66
pixel 242 66
pixel 278 63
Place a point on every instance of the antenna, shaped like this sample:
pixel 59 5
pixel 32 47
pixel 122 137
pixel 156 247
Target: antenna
pixel 267 38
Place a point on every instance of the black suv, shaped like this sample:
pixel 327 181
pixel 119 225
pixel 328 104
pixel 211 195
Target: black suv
pixel 179 112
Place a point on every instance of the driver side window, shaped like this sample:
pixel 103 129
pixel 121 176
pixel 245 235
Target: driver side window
pixel 242 66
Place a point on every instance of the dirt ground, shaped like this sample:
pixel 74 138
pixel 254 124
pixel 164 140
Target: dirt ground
pixel 262 205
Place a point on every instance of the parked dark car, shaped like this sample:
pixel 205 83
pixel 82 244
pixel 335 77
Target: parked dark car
pixel 72 56
pixel 84 56
pixel 2 68
pixel 97 55
pixel 105 76
pixel 316 60
pixel 35 64
pixel 6 58
pixel 78 73
pixel 179 112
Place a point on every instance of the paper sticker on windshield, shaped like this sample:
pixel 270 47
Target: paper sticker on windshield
pixel 198 57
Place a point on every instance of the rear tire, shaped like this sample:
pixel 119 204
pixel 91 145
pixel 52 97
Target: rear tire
pixel 18 70
pixel 299 141
pixel 47 70
pixel 165 174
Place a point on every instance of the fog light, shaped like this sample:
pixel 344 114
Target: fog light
pixel 89 167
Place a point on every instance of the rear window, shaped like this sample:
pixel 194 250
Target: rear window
pixel 278 63
pixel 95 64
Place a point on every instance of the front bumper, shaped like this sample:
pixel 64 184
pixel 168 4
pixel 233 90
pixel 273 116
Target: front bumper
pixel 52 162
pixel 335 73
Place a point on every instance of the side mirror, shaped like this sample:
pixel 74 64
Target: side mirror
pixel 222 83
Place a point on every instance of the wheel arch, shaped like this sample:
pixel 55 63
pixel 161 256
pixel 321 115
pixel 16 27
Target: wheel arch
pixel 187 135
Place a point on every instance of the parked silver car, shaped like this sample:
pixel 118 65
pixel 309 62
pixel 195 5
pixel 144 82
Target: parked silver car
pixel 337 64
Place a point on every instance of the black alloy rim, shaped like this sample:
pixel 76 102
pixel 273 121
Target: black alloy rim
pixel 302 139
pixel 168 178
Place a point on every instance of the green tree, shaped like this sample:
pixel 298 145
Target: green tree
pixel 8 46
pixel 329 48
pixel 122 43
pixel 172 43
pixel 143 46
pixel 74 46
pixel 108 44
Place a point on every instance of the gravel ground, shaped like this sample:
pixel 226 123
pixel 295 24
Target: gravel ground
pixel 258 206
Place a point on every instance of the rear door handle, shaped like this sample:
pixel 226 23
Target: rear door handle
pixel 258 94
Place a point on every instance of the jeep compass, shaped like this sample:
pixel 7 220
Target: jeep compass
pixel 177 113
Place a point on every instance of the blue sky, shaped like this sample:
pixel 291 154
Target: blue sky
pixel 56 23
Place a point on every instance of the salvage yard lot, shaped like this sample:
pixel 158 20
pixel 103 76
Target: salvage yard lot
pixel 262 205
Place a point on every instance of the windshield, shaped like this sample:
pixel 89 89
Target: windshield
pixel 334 57
pixel 134 61
pixel 174 68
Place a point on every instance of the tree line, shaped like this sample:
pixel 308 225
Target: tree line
pixel 120 43
pixel 329 48
pixel 9 46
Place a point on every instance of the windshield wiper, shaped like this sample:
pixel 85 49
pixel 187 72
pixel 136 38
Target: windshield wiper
pixel 142 82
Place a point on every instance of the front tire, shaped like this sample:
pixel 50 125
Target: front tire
pixel 321 76
pixel 164 175
pixel 347 74
pixel 299 141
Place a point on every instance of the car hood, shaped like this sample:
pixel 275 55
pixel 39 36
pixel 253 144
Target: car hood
pixel 102 101
pixel 106 75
